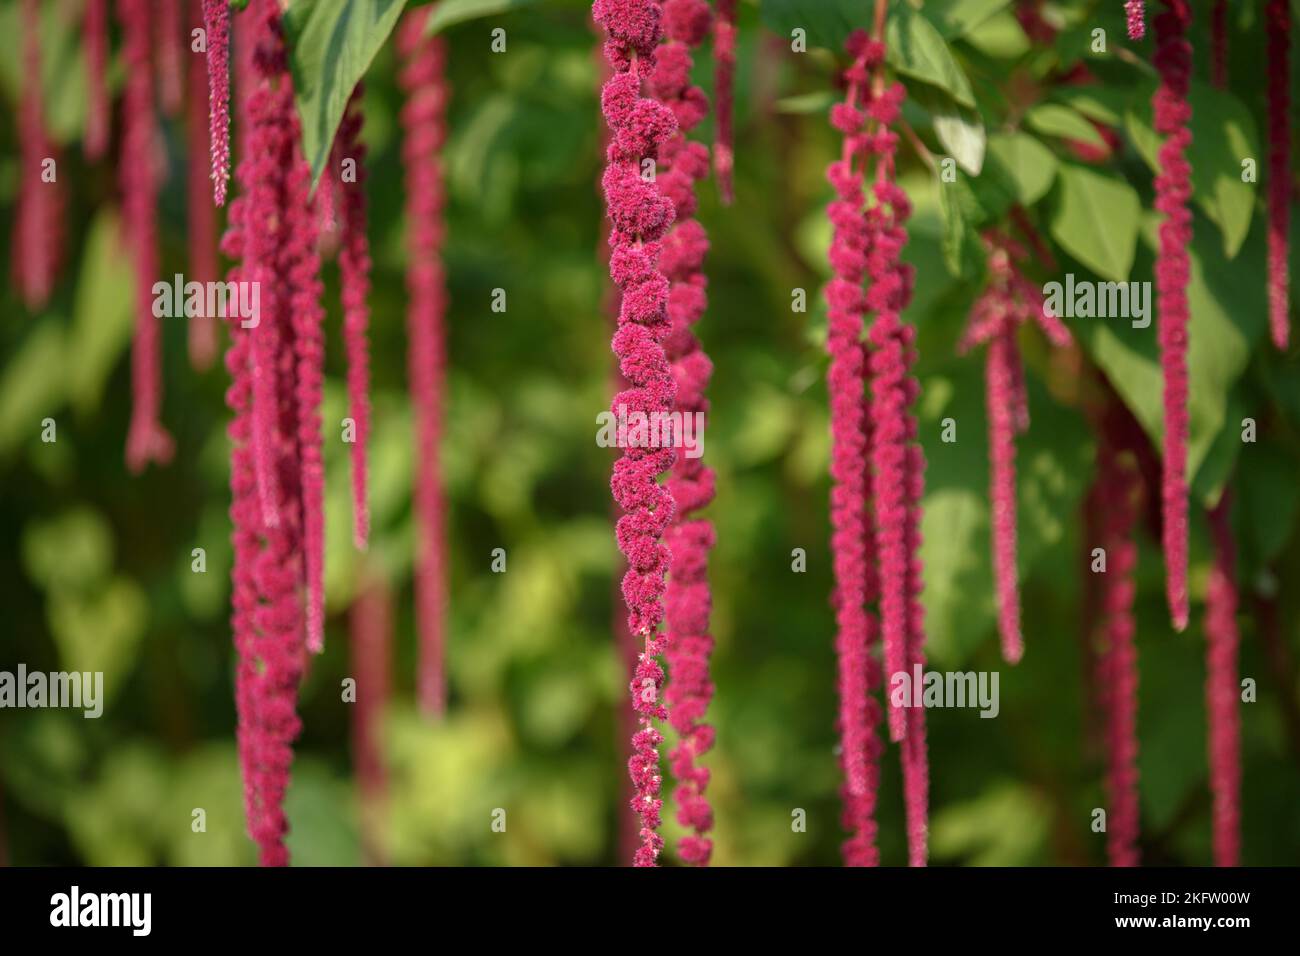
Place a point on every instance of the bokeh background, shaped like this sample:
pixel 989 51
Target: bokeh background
pixel 95 564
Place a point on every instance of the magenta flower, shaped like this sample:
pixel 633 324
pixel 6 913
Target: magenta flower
pixel 201 218
pixel 1009 301
pixel 139 173
pixel 216 20
pixel 354 280
pixel 171 85
pixel 98 109
pixel 1222 690
pixel 724 55
pixel 687 601
pixel 424 128
pixel 1280 186
pixel 640 214
pixel 1136 12
pixel 1173 113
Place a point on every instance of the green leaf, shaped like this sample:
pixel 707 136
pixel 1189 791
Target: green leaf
pixel 959 210
pixel 955 18
pixel 1053 119
pixel 448 13
pixel 1223 135
pixel 331 44
pixel 818 102
pixel 103 316
pixel 1096 221
pixel 827 23
pixel 1030 165
pixel 28 390
pixel 917 49
pixel 960 130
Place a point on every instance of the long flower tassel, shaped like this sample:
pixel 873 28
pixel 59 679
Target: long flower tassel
pixel 724 73
pixel 1281 188
pixel 1222 690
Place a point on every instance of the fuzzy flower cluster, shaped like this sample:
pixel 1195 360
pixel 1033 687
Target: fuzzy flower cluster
pixel 139 174
pixel 272 238
pixel 1137 19
pixel 354 283
pixel 640 215
pixel 37 223
pixel 1009 301
pixel 424 131
pixel 687 601
pixel 1173 186
pixel 216 23
pixel 1222 690
pixel 724 84
pixel 1277 14
pixel 98 109
pixel 1116 500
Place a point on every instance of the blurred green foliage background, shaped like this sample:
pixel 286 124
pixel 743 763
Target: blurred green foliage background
pixel 95 565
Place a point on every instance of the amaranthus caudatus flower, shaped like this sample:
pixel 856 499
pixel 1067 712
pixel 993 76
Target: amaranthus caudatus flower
pixel 424 131
pixel 640 215
pixel 687 600
pixel 724 82
pixel 138 172
pixel 272 237
pixel 95 141
pixel 1281 187
pixel 201 218
pixel 1222 689
pixel 354 281
pixel 1115 500
pixel 1009 301
pixel 37 223
pixel 852 548
pixel 216 21
pixel 1137 18
pixel 1173 113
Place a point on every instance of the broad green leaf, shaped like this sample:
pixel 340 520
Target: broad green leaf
pixel 1096 221
pixel 448 13
pixel 957 17
pixel 1029 164
pixel 1095 102
pixel 818 102
pixel 1223 135
pixel 959 209
pixel 30 388
pixel 331 44
pixel 826 23
pixel 916 49
pixel 960 130
pixel 1000 37
pixel 1053 119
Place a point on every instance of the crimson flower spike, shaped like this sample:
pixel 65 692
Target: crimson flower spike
pixel 1222 689
pixel 201 216
pixel 1173 186
pixel 1280 189
pixel 98 109
pixel 687 601
pixel 724 74
pixel 171 84
pixel 216 22
pixel 640 214
pixel 424 130
pixel 354 280
pixel 1137 24
pixel 35 250
pixel 1009 301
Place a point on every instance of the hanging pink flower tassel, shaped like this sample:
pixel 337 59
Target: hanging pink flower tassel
pixel 1116 498
pixel 171 86
pixel 640 214
pixel 201 219
pixel 850 427
pixel 423 120
pixel 1277 16
pixel 1137 25
pixel 1222 690
pixel 724 55
pixel 354 279
pixel 371 626
pixel 1009 301
pixel 913 753
pixel 272 237
pixel 98 108
pixel 1173 113
pixel 216 20
pixel 687 600
pixel 146 441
